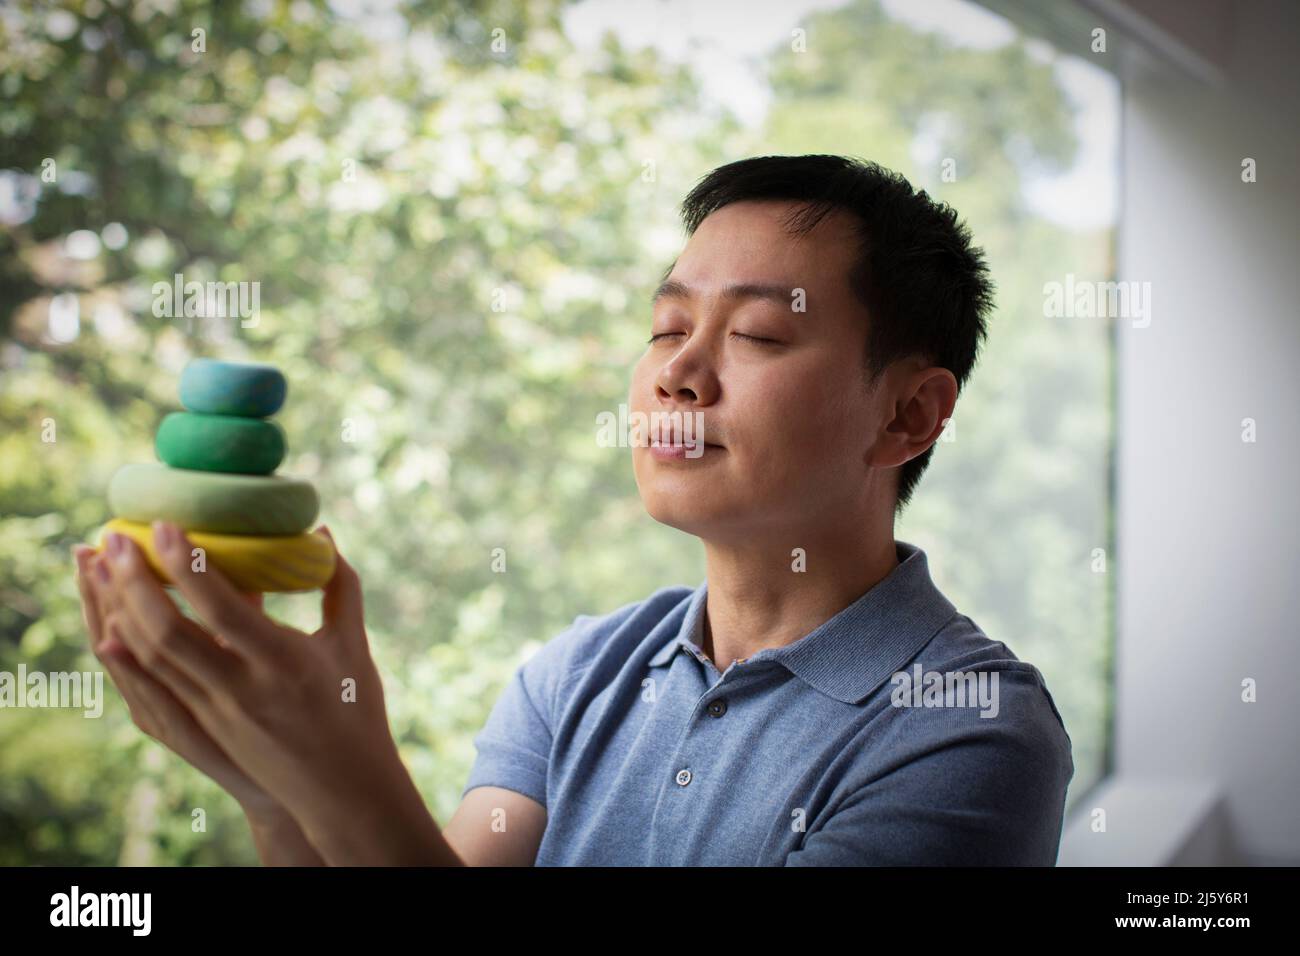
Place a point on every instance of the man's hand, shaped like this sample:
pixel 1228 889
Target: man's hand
pixel 300 715
pixel 157 712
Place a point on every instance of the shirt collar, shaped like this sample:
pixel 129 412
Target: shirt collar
pixel 850 655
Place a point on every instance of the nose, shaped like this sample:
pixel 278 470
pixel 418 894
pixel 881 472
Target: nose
pixel 688 378
pixel 683 394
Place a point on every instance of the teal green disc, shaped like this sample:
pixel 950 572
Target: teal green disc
pixel 248 446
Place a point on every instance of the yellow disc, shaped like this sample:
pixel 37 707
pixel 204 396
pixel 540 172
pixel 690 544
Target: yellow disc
pixel 252 562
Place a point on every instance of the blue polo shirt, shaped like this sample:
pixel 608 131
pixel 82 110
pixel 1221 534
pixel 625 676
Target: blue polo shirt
pixel 894 733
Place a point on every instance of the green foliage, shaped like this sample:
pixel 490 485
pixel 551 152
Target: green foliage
pixel 455 247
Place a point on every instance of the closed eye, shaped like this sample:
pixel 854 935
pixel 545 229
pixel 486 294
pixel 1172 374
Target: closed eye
pixel 739 335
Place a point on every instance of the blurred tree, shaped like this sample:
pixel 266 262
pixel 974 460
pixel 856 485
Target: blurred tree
pixel 450 241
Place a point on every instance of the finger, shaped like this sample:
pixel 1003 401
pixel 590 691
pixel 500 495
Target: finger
pixel 101 582
pixel 126 674
pixel 123 640
pixel 108 597
pixel 254 599
pixel 163 707
pixel 341 605
pixel 113 646
pixel 83 555
pixel 141 716
pixel 170 721
pixel 158 633
pixel 154 708
pixel 214 599
pixel 114 617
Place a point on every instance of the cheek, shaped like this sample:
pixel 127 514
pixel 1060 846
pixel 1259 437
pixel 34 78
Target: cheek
pixel 785 404
pixel 804 415
pixel 640 388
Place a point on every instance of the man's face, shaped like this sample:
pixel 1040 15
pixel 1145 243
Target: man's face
pixel 787 422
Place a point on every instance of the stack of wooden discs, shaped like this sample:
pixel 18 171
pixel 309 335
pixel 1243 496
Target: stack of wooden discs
pixel 216 482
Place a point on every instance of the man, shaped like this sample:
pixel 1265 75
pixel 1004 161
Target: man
pixel 816 701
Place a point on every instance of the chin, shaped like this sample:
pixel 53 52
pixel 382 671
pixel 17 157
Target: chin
pixel 676 497
pixel 673 511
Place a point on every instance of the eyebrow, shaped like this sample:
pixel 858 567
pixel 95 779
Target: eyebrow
pixel 672 289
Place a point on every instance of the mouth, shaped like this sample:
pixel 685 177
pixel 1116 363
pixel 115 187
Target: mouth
pixel 677 451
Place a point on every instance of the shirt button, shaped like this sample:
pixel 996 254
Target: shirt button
pixel 683 777
pixel 717 707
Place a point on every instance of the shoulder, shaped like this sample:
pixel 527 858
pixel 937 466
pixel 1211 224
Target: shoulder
pixel 962 646
pixel 615 634
pixel 964 761
pixel 971 698
pixel 971 758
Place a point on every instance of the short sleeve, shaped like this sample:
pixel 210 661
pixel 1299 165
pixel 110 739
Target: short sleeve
pixel 513 749
pixel 971 792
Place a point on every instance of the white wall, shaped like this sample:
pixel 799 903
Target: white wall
pixel 1207 557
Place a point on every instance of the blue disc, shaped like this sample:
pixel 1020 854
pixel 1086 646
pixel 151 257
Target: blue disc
pixel 249 389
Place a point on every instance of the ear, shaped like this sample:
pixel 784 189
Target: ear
pixel 922 403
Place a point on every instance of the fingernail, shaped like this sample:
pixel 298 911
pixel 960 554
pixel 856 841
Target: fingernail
pixel 102 572
pixel 164 536
pixel 117 550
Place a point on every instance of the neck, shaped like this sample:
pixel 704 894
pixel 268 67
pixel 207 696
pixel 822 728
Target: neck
pixel 758 597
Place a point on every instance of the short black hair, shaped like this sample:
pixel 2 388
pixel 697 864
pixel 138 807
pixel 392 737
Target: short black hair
pixel 926 288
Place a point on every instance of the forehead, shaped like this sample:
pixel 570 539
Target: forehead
pixel 752 241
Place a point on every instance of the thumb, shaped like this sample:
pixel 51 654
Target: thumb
pixel 341 606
